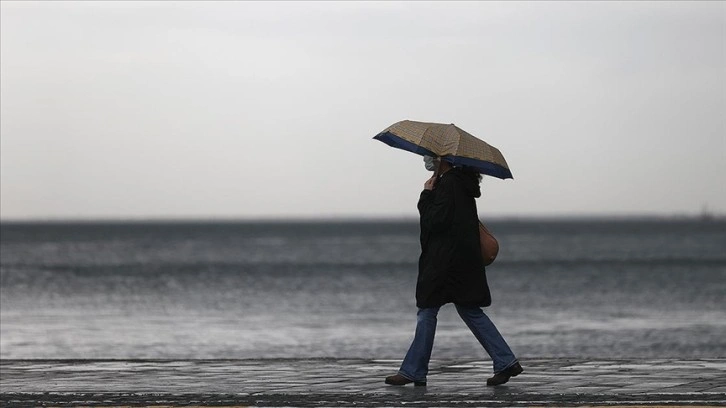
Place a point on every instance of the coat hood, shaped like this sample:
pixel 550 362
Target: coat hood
pixel 469 180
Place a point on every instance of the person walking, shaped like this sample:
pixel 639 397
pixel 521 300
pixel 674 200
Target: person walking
pixel 451 270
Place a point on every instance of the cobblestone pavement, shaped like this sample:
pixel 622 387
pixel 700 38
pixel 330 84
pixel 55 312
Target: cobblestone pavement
pixel 336 382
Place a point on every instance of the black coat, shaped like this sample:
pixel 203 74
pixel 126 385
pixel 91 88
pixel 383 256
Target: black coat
pixel 450 267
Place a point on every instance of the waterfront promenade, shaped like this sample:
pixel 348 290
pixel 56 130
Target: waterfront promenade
pixel 355 382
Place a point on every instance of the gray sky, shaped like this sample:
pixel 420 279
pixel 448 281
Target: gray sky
pixel 245 109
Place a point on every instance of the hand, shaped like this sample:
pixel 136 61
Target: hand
pixel 430 183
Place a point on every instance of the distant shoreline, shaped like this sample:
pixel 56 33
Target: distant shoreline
pixel 360 219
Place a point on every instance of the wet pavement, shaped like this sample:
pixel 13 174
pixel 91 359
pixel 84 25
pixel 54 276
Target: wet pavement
pixel 355 382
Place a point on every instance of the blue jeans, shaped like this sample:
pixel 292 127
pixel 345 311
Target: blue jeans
pixel 416 363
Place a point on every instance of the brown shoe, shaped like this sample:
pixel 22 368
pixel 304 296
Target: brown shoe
pixel 398 379
pixel 502 377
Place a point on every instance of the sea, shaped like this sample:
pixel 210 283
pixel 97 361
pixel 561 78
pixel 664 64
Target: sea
pixel 581 288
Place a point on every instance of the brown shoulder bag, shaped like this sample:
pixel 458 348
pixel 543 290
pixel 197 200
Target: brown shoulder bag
pixel 489 245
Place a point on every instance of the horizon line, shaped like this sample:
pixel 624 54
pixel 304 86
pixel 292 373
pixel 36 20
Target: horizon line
pixel 356 218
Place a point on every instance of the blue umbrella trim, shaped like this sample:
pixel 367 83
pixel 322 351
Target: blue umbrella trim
pixel 481 166
pixel 395 141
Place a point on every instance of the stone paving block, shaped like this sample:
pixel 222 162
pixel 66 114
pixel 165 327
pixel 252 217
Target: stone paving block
pixel 584 390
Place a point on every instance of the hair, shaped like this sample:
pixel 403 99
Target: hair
pixel 472 172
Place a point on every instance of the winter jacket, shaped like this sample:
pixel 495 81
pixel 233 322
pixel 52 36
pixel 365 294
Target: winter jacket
pixel 451 268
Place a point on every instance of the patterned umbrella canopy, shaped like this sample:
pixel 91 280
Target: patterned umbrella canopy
pixel 448 142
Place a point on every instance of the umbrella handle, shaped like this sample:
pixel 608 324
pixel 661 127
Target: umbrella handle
pixel 436 178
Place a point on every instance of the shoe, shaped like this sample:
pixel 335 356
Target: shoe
pixel 502 377
pixel 398 379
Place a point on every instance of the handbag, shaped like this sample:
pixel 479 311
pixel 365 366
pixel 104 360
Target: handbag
pixel 489 245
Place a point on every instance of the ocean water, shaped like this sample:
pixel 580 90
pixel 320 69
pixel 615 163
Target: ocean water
pixel 561 288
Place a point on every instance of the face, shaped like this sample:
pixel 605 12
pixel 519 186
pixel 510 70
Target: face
pixel 432 163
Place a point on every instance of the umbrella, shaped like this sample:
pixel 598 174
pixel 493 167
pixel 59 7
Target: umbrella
pixel 449 142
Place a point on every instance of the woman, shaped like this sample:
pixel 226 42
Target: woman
pixel 451 270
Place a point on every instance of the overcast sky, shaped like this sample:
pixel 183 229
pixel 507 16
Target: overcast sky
pixel 248 110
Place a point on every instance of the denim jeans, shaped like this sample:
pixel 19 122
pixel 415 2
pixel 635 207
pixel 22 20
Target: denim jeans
pixel 415 365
